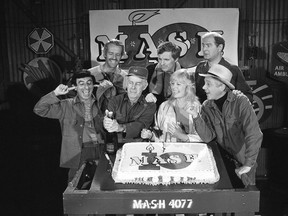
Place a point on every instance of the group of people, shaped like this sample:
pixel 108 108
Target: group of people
pixel 163 103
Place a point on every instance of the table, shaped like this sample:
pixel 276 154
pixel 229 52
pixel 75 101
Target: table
pixel 106 197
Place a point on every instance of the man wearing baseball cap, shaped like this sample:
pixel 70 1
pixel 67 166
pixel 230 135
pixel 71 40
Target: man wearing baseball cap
pixel 228 117
pixel 130 111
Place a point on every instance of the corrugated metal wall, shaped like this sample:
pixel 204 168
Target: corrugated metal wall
pixel 261 23
pixel 261 26
pixel 266 24
pixel 266 27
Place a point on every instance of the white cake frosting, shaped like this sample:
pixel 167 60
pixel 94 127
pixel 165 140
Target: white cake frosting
pixel 165 163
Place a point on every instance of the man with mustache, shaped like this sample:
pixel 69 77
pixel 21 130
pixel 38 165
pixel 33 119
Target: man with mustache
pixel 110 76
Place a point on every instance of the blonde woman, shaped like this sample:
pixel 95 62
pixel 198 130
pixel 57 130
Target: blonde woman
pixel 173 122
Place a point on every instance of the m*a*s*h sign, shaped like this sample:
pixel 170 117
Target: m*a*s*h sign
pixel 40 40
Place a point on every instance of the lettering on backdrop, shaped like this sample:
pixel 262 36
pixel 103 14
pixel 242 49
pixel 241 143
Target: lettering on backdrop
pixel 141 46
pixel 279 69
pixel 141 50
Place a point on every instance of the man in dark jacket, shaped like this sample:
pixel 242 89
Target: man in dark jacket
pixel 159 73
pixel 213 45
pixel 228 117
pixel 130 111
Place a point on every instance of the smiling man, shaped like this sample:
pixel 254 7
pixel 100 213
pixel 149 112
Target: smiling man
pixel 110 73
pixel 82 132
pixel 110 76
pixel 131 112
pixel 228 117
pixel 159 74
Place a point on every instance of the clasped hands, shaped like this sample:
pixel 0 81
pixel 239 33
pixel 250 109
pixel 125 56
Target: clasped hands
pixel 176 131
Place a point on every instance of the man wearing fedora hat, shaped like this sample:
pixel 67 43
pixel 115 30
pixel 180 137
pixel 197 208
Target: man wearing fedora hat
pixel 228 117
pixel 130 111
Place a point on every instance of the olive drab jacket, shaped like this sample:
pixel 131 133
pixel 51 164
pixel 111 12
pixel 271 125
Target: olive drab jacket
pixel 236 128
pixel 70 113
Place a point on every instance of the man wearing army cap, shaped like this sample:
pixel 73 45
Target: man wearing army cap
pixel 130 111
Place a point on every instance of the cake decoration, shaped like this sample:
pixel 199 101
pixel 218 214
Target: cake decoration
pixel 177 163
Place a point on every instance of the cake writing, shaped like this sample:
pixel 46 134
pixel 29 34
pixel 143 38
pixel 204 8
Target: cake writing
pixel 169 160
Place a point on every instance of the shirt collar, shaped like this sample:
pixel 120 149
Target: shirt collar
pixel 176 67
pixel 117 70
pixel 221 62
pixel 140 99
pixel 76 99
pixel 230 97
